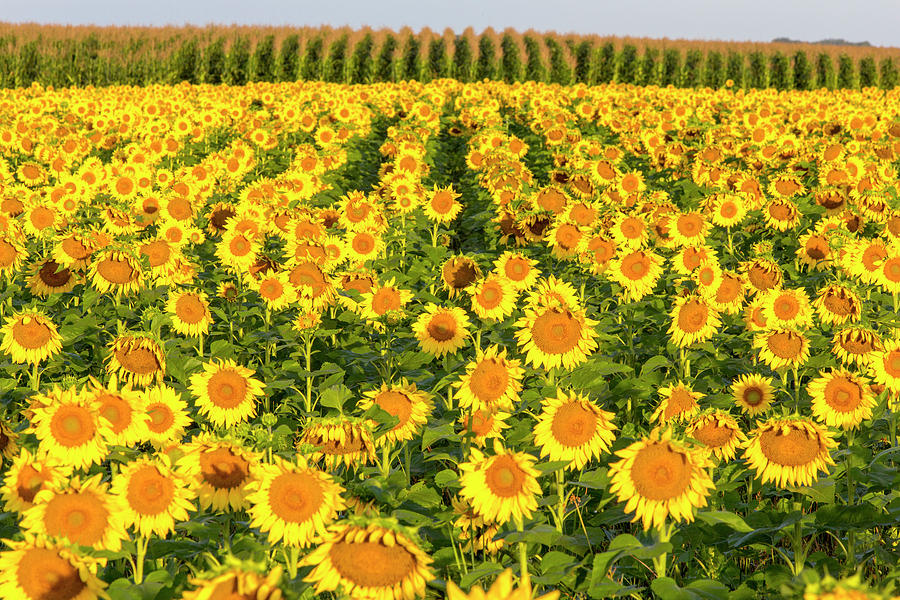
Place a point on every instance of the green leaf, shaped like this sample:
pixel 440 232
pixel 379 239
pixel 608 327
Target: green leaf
pixel 335 396
pixel 715 517
pixel 654 363
pixel 704 589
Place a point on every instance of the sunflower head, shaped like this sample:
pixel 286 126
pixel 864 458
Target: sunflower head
pixel 789 451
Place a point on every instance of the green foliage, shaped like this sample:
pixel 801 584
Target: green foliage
pixel 462 59
pixel 361 65
pixel 486 67
pixel 510 61
pixel 560 71
pixel 824 71
pixel 757 75
pixel 289 58
pixel 263 60
pixel 649 67
pixel 671 67
pixel 868 72
pixel 237 62
pixel 714 73
pixel 735 68
pixel 311 68
pixel 438 65
pixel 534 66
pixel 384 65
pixel 779 72
pixel 214 62
pixel 627 71
pixel 28 67
pixel 583 53
pixel 846 78
pixel 802 71
pixel 411 64
pixel 693 63
pixel 888 70
pixel 185 63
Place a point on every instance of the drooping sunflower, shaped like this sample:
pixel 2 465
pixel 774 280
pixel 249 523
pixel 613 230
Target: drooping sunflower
pixel 475 532
pixel 116 272
pixel 729 295
pixel 137 359
pixel 502 588
pixel 13 254
pixel 837 304
pixel 69 430
pixel 165 416
pixel 293 503
pixel 855 346
pixel 841 398
pixel 787 308
pixel 659 478
pixel 153 495
pixel 493 298
pixel 781 214
pixel 220 470
pixel 28 475
pixel 762 274
pixel 500 487
pixel 492 381
pixel 30 336
pixel 226 392
pixel 38 569
pixel 782 348
pixel 410 405
pixel 789 451
pixel 679 402
pixel 556 336
pixel 338 442
pixel 572 428
pixel 190 312
pixel 637 272
pixel 718 432
pixel 49 277
pixel 83 512
pixel 441 330
pixel 885 366
pixel 369 560
pixel 520 270
pixel 458 273
pixel 752 393
pixel 814 251
pixel 693 320
pixel 237 584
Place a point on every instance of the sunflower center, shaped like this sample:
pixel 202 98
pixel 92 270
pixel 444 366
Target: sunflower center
pixel 442 202
pixel 680 400
pixel 693 316
pixel 8 253
pixel 240 246
pixel 556 332
pixel 30 333
pixel 892 363
pixel 397 404
pixel 505 478
pixel 53 276
pixel 71 426
pixel 372 564
pixel 161 417
pixel 296 497
pixel 490 296
pixel 842 394
pixel 753 396
pixel 149 492
pixel 892 270
pixel 661 473
pixel 190 309
pixel 713 435
pixel 762 278
pixel 489 380
pixel 226 388
pixel 29 483
pixel 80 517
pixel 573 425
pixel 363 243
pixel 442 327
pixel 516 269
pixel 786 308
pixel 386 299
pixel 45 575
pixel 635 266
pixel 689 225
pixel 117 271
pixel 223 469
pixel 138 360
pixel 792 449
pixel 785 344
pixel 459 274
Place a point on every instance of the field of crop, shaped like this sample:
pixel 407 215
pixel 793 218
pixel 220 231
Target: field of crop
pixel 413 340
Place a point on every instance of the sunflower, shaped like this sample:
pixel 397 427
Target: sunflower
pixel 728 210
pixel 49 277
pixel 786 308
pixel 119 407
pixel 30 336
pixel 165 416
pixel 276 290
pixel 520 270
pixel 837 304
pixel 888 275
pixel 476 532
pixel 762 274
pixel 12 255
pixel 708 277
pixel 116 272
pixel 221 471
pixel 338 441
pixel 237 250
pixel 190 312
pixel 369 560
pixel 500 487
pixel 409 405
pixel 315 289
pixel 679 402
pixel 458 273
pixel 564 239
pixel 637 272
pixel 28 475
pixel 814 251
pixel 238 584
pixel 729 295
pixel 492 381
pixel 226 392
pixel 855 346
pixel 9 446
pixel 501 589
pixel 138 359
pixel 38 569
pixel 659 478
pixel 572 428
pixel 789 451
pixel 885 366
pixel 597 251
pixel 718 432
pixel 782 348
pixel 69 430
pixel 688 229
pixel 441 205
pixel 841 398
pixel 493 298
pixel 293 503
pixel 153 495
pixel 752 393
pixel 554 336
pixel 693 320
pixel 441 330
pixel 83 512
pixel 781 214
pixel 364 245
pixel 483 424
pixel 384 299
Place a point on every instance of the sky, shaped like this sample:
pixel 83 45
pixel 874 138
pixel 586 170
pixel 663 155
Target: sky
pixel 874 21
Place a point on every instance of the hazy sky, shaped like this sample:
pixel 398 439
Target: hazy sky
pixel 756 20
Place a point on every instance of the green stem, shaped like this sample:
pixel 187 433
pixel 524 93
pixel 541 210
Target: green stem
pixel 386 460
pixel 406 463
pixel 291 560
pixel 200 345
pixel 851 501
pixel 561 500
pixel 730 245
pixel 664 534
pixel 524 577
pixel 142 542
pixel 35 377
pixel 796 389
pixel 685 363
pixel 307 350
pixel 797 538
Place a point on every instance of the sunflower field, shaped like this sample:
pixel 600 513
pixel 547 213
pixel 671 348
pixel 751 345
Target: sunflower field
pixel 465 340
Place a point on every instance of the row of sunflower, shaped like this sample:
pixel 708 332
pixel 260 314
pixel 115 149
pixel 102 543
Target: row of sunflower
pixel 489 303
